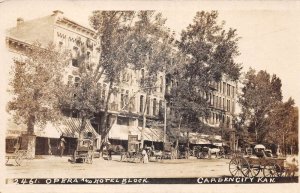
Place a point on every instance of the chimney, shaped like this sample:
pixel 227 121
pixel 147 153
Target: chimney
pixel 20 21
pixel 58 13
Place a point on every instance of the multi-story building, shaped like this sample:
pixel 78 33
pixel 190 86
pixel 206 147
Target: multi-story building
pixel 222 99
pixel 69 35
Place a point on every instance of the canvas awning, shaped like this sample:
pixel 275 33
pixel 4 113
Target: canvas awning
pixel 68 127
pixel 121 132
pixel 197 138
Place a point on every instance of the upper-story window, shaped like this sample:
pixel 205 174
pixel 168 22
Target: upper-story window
pixel 141 103
pixel 161 83
pixel 75 54
pixel 160 106
pixel 70 79
pixel 77 79
pixel 154 107
pixel 142 76
pixel 224 87
pixel 148 105
pixel 123 121
pixel 228 89
pixel 60 44
pixel 88 55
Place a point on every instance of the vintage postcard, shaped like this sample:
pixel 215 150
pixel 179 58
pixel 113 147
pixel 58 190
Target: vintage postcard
pixel 149 96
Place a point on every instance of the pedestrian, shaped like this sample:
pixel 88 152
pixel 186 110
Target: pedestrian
pixel 145 156
pixel 209 153
pixel 62 146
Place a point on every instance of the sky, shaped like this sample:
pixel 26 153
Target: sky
pixel 269 30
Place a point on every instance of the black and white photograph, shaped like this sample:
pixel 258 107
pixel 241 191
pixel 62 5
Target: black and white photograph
pixel 149 96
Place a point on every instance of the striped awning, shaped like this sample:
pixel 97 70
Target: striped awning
pixel 70 127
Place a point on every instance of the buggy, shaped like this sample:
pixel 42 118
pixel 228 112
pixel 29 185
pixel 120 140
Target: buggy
pixel 84 151
pixel 251 165
pixel 18 155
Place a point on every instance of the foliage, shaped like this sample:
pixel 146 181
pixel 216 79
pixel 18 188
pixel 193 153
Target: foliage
pixel 128 39
pixel 208 52
pixel 283 124
pixel 261 93
pixel 35 85
pixel 83 96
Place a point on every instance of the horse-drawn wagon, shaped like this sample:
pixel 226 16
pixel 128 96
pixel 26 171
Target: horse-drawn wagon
pixel 251 165
pixel 18 155
pixel 84 152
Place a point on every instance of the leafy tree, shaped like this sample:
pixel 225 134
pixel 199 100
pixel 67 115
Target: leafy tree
pixel 84 96
pixel 283 125
pixel 208 52
pixel 35 85
pixel 261 93
pixel 129 39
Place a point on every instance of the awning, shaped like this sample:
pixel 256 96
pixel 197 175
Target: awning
pixel 68 127
pixel 49 131
pixel 197 138
pixel 152 134
pixel 121 132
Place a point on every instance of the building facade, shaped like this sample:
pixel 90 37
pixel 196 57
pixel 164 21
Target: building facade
pixel 126 106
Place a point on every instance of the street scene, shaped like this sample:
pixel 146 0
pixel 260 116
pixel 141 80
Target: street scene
pixel 101 168
pixel 121 94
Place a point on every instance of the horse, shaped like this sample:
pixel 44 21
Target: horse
pixel 113 149
pixel 291 166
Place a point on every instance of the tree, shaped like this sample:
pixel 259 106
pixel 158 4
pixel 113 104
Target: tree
pixel 261 92
pixel 35 85
pixel 129 39
pixel 283 126
pixel 154 44
pixel 113 29
pixel 84 96
pixel 208 53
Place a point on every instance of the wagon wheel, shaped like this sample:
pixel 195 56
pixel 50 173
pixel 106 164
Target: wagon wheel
pixel 255 170
pixel 272 170
pixel 239 167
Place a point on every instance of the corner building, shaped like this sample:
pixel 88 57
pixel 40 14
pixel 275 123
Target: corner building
pixel 69 35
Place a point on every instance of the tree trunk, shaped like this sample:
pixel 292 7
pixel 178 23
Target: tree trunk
pixel 30 124
pixel 144 121
pixel 82 127
pixel 29 140
pixel 104 127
